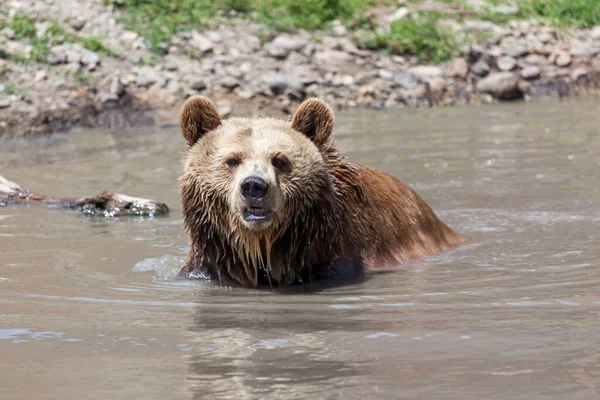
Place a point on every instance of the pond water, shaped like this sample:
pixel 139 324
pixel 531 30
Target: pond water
pixel 89 309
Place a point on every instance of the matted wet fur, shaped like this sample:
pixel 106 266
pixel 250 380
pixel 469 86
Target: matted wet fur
pixel 270 202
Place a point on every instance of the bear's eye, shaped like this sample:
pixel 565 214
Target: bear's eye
pixel 233 162
pixel 281 163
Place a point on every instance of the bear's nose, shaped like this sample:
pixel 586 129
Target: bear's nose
pixel 254 187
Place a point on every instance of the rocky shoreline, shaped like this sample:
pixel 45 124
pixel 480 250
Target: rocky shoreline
pixel 248 71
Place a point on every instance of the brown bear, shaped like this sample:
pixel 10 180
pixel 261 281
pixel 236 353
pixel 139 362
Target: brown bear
pixel 270 202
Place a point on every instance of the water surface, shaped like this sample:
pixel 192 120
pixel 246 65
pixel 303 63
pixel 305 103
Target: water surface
pixel 89 309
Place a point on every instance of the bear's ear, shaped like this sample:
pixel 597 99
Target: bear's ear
pixel 314 118
pixel 197 117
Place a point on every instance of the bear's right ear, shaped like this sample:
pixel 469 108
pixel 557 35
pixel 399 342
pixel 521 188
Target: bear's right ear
pixel 314 118
pixel 197 117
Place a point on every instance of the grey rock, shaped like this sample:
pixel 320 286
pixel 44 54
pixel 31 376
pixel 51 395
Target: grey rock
pixel 436 84
pixel 8 33
pixel 201 42
pixel 225 107
pixel 41 28
pixel 424 72
pixel 110 85
pixel 89 57
pixel 535 59
pixel 78 23
pixel 578 73
pixel 459 68
pixel 405 80
pixel 531 72
pixel 386 74
pixel 229 82
pixel 506 63
pixel 215 37
pixel 581 48
pixel 516 51
pixel 173 86
pixel 545 37
pixel 148 76
pixel 5 102
pixel 195 82
pixel 73 52
pixel 280 83
pixel 57 55
pixel 595 33
pixel 480 68
pixel 501 85
pixel 477 26
pixel 336 61
pixel 563 59
pixel 399 14
pixel 282 45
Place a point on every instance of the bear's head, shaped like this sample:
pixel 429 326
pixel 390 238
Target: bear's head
pixel 246 181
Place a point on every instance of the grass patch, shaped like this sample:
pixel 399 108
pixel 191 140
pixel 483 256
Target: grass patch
pixel 158 20
pixel 421 36
pixel 563 13
pixel 25 30
pixel 10 88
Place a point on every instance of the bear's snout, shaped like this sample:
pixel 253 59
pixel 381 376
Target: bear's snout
pixel 254 187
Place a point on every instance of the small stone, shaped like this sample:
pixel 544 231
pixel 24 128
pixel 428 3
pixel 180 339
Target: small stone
pixel 545 37
pixel 148 76
pixel 581 48
pixel 426 71
pixel 578 73
pixel 563 59
pixel 196 83
pixel 531 72
pixel 501 85
pixel 8 33
pixel 436 84
pixel 338 29
pixel 282 45
pixel 480 68
pixel 215 37
pixel 535 59
pixel 595 33
pixel 77 24
pixel 516 51
pixel 57 55
pixel 5 102
pixel 386 74
pixel 201 42
pixel 173 86
pixel 41 28
pixel 89 58
pixel 280 83
pixel 245 93
pixel 506 63
pixel 225 107
pixel 459 68
pixel 229 82
pixel 405 80
pixel 400 13
pixel 40 76
pixel 336 61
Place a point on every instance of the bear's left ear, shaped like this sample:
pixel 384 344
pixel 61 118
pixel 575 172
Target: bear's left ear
pixel 314 118
pixel 197 117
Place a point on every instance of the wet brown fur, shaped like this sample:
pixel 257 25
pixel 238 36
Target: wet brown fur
pixel 350 218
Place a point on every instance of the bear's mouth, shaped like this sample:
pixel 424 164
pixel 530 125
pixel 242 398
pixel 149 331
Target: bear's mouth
pixel 256 214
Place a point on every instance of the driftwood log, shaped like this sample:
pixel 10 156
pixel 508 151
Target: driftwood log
pixel 106 204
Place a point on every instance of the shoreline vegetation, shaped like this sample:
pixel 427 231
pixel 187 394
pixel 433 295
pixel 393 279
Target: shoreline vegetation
pixel 122 63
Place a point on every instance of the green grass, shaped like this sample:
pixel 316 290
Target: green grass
pixel 421 36
pixel 158 20
pixel 557 13
pixel 10 88
pixel 563 13
pixel 25 30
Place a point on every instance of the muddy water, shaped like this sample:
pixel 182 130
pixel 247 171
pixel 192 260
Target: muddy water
pixel 89 309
